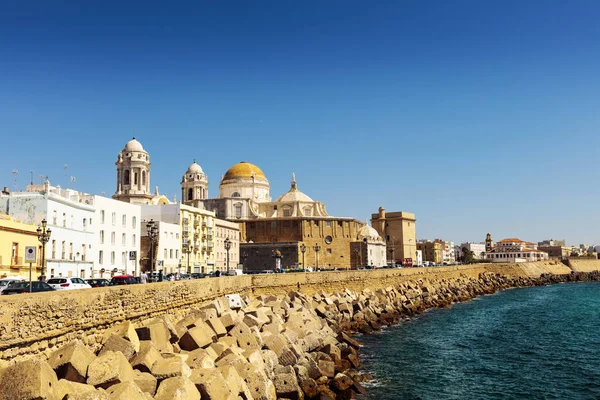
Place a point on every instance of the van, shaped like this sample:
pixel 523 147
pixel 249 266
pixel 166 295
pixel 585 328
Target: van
pixel 235 272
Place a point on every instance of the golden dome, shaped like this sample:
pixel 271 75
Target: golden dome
pixel 244 170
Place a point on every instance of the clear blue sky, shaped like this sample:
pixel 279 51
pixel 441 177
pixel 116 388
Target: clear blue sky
pixel 478 116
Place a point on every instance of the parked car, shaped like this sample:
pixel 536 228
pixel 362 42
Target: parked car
pixel 122 280
pixel 68 283
pixel 6 282
pixel 98 282
pixel 23 287
pixel 198 275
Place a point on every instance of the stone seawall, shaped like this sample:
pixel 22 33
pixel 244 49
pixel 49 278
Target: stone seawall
pixel 32 324
pixel 584 265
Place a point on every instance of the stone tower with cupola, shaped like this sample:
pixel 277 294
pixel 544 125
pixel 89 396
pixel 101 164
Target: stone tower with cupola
pixel 489 243
pixel 133 174
pixel 194 185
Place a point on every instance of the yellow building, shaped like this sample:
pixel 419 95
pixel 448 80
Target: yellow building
pixel 398 229
pixel 14 237
pixel 432 251
pixel 197 239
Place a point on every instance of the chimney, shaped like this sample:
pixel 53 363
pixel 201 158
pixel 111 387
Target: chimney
pixel 5 190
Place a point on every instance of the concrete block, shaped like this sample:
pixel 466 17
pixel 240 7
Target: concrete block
pixel 212 384
pixel 247 341
pixel 200 358
pixel 109 369
pixel 235 301
pixel 196 338
pixel 232 378
pixel 146 357
pixel 79 391
pixel 30 379
pixel 286 386
pixel 145 381
pixel 229 319
pixel 169 368
pixel 126 391
pixel 178 388
pixel 217 326
pixel 158 333
pixel 327 368
pixel 260 386
pixel 71 361
pixel 127 331
pixel 118 344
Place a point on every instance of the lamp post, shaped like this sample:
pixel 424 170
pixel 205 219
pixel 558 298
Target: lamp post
pixel 364 252
pixel 227 247
pixel 317 248
pixel 43 235
pixel 153 235
pixel 303 250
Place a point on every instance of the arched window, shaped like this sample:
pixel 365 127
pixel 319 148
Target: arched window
pixel 126 177
pixel 235 194
pixel 238 210
pixel 307 212
pixel 135 178
pixel 287 211
pixel 190 194
pixel 143 178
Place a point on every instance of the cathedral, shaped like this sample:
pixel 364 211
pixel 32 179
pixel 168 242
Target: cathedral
pixel 293 231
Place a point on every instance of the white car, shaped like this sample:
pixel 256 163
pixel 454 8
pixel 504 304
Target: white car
pixel 68 283
pixel 4 283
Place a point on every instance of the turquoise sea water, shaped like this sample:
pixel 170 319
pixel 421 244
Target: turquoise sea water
pixel 530 343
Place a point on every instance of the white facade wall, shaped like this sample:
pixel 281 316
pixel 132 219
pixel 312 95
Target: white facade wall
pixel 376 254
pixel 169 246
pixel 419 258
pixel 223 230
pixel 118 237
pixel 476 248
pixel 72 243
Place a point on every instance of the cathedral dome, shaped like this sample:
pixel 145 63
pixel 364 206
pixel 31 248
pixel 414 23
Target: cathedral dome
pixel 294 195
pixel 244 170
pixel 368 232
pixel 134 145
pixel 194 168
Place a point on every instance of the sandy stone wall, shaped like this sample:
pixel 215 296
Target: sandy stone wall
pixel 32 324
pixel 584 265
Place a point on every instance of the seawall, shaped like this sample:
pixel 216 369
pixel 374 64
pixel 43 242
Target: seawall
pixel 584 265
pixel 38 323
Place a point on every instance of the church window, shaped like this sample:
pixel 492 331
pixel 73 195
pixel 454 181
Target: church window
pixel 143 178
pixel 235 194
pixel 126 177
pixel 287 212
pixel 135 178
pixel 238 210
pixel 307 212
pixel 328 224
pixel 190 194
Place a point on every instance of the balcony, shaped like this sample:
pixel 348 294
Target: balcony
pixel 210 237
pixel 15 261
pixel 204 224
pixel 196 223
pixel 185 229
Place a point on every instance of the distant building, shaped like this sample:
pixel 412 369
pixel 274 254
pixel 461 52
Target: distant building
pixel 419 261
pixel 432 251
pixel 448 252
pixel 551 242
pixel 555 251
pixel 398 230
pixel 513 250
pixel 15 236
pixel 166 257
pixel 478 249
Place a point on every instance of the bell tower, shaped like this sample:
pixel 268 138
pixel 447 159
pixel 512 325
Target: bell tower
pixel 489 244
pixel 133 174
pixel 194 185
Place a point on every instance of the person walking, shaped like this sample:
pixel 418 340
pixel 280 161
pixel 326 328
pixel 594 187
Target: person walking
pixel 143 277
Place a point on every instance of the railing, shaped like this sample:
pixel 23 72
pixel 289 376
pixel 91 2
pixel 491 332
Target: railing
pixel 210 237
pixel 204 224
pixel 196 223
pixel 16 261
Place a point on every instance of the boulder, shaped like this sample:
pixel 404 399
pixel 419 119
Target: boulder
pixel 212 385
pixel 79 391
pixel 287 387
pixel 145 381
pixel 342 382
pixel 169 368
pixel 30 379
pixel 177 388
pixel 158 333
pixel 327 368
pixel 71 361
pixel 109 369
pixel 217 326
pixel 200 358
pixel 118 344
pixel 196 338
pixel 146 357
pixel 126 391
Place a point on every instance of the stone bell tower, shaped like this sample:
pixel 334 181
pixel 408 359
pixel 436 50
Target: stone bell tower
pixel 194 185
pixel 133 174
pixel 489 243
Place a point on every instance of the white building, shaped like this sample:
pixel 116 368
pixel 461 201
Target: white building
pixel 375 247
pixel 478 249
pixel 419 258
pixel 514 250
pixel 168 247
pixel 226 230
pixel 69 252
pixel 117 230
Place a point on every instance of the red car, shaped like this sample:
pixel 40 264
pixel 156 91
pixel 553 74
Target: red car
pixel 123 280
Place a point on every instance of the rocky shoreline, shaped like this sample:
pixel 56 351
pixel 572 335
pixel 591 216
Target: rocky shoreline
pixel 296 346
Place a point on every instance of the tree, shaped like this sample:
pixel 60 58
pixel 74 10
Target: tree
pixel 468 255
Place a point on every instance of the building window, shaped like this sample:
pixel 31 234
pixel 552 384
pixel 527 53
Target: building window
pixel 135 178
pixel 124 220
pixel 124 258
pixel 176 253
pixel 112 238
pixel 133 239
pixel 101 216
pixel 238 210
pixel 84 224
pixel 100 257
pixel 307 212
pixel 328 251
pixel 101 237
pixel 54 217
pixel 273 224
pixel 64 220
pixel 171 253
pixel 54 249
pixel 165 254
pixel 114 218
pixel 143 178
pixel 71 251
pixel 328 224
pixel 133 222
pixel 15 254
pixel 63 250
pixel 126 177
pixel 124 239
pixel 235 194
pixel 112 258
pixel 190 194
pixel 287 212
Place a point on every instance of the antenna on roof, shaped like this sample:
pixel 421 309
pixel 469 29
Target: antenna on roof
pixel 31 172
pixel 66 175
pixel 15 172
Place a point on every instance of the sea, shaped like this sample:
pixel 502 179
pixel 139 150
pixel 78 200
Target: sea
pixel 527 343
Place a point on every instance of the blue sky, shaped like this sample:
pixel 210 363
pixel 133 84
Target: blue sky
pixel 476 116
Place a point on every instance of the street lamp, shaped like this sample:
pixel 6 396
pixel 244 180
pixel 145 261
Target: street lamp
pixel 43 235
pixel 153 235
pixel 227 247
pixel 317 248
pixel 303 250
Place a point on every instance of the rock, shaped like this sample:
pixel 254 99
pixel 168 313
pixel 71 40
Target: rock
pixel 342 382
pixel 235 301
pixel 286 386
pixel 30 379
pixel 126 391
pixel 309 387
pixel 327 368
pixel 259 385
pixel 109 369
pixel 200 358
pixel 278 344
pixel 158 333
pixel 217 326
pixel 145 381
pixel 212 384
pixel 79 391
pixel 71 361
pixel 177 388
pixel 232 378
pixel 195 338
pixel 146 357
pixel 169 368
pixel 118 344
pixel 125 330
pixel 228 319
